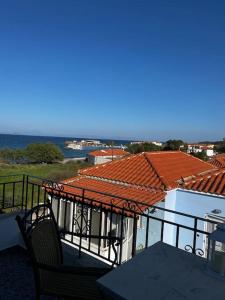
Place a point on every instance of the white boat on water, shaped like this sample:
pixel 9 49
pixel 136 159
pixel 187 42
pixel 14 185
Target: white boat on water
pixel 74 146
pixel 89 145
pixel 84 144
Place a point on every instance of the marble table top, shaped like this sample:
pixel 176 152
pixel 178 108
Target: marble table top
pixel 162 272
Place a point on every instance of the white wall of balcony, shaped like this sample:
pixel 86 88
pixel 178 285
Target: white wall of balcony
pixel 154 228
pixel 197 204
pixel 9 232
pixel 170 203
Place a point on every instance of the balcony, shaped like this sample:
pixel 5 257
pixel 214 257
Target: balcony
pixel 87 212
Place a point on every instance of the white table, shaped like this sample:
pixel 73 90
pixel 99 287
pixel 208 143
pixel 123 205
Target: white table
pixel 163 272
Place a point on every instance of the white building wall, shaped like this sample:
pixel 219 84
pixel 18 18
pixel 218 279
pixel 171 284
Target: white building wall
pixel 102 159
pixel 198 149
pixel 199 204
pixel 96 160
pixel 210 152
pixel 154 227
pixel 170 204
pixel 193 203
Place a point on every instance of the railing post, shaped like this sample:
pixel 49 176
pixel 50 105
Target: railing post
pixel 162 231
pixel 134 236
pixel 58 209
pixel 73 220
pixel 177 236
pixel 13 200
pixel 195 233
pixel 146 233
pixel 100 229
pixel 121 236
pixel 65 212
pixel 26 195
pixel 110 230
pixel 81 222
pixel 90 224
pixel 3 196
pixel 23 185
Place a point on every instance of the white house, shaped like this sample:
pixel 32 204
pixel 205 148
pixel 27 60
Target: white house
pixel 157 143
pixel 198 148
pixel 105 155
pixel 171 181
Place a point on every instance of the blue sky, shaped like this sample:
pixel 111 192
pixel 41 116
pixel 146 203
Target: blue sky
pixel 114 69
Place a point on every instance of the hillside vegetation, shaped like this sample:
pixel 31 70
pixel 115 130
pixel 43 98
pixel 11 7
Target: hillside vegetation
pixel 33 153
pixel 55 171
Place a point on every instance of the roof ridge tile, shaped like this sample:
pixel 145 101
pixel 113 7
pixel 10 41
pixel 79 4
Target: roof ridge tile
pixel 161 178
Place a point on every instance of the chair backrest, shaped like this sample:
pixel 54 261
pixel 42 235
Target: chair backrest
pixel 41 236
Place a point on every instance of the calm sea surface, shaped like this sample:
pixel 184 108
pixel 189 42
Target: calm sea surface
pixel 21 141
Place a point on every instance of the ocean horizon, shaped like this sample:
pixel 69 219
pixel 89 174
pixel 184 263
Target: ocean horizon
pixel 17 141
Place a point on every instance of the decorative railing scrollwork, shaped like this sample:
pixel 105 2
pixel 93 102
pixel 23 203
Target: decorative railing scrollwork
pixel 128 206
pixel 53 185
pixel 196 251
pixel 81 214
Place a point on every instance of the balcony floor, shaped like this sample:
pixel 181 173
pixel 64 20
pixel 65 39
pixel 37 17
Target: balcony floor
pixel 16 279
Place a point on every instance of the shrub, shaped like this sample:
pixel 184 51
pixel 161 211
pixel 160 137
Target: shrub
pixel 43 153
pixel 13 155
pixel 143 147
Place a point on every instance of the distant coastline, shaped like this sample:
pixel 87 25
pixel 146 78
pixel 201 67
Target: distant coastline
pixel 21 141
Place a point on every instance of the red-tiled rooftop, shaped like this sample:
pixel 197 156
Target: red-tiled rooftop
pixel 109 152
pixel 134 170
pixel 145 177
pixel 219 161
pixel 158 170
pixel 107 193
pixel 212 182
pixel 171 166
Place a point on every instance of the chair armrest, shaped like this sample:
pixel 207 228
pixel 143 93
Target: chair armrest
pixel 96 272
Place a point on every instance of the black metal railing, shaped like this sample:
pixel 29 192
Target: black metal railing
pixel 86 212
pixel 11 192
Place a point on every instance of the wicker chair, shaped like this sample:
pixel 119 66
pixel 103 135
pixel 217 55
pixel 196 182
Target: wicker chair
pixel 42 239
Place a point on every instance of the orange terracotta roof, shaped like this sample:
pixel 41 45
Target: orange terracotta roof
pixel 212 182
pixel 171 166
pixel 114 192
pixel 134 169
pixel 160 170
pixel 109 152
pixel 144 177
pixel 219 161
pixel 101 192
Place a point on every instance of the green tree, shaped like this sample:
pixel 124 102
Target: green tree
pixel 175 145
pixel 43 153
pixel 220 147
pixel 143 147
pixel 201 155
pixel 12 155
